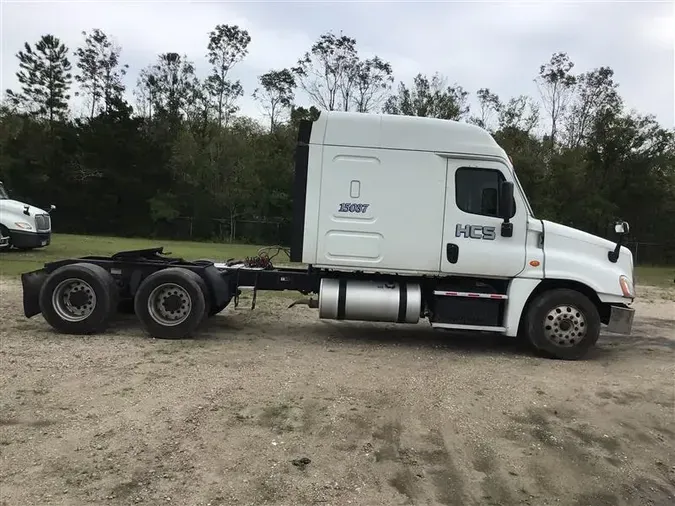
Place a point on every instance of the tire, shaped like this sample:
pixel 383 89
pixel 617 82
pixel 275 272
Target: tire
pixel 555 320
pixel 88 313
pixel 5 233
pixel 181 287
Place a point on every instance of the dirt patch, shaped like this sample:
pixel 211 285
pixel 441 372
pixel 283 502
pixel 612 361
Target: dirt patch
pixel 273 406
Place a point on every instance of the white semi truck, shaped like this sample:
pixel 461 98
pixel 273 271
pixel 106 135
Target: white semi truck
pixel 397 219
pixel 21 225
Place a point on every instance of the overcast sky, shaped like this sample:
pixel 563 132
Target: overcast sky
pixel 499 45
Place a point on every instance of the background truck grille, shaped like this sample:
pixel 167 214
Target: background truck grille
pixel 43 222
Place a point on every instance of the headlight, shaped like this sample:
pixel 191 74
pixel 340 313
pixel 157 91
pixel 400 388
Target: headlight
pixel 24 225
pixel 626 286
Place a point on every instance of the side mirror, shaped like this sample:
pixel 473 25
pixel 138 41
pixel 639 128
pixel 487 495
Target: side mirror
pixel 51 208
pixel 621 227
pixel 506 207
pixel 506 200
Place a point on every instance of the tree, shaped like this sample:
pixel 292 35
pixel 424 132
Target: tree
pixel 556 84
pixel 228 45
pixel 429 98
pixel 372 80
pixel 489 105
pixel 275 93
pixel 100 72
pixel 327 72
pixel 595 93
pixel 336 78
pixel 519 113
pixel 168 85
pixel 299 114
pixel 45 78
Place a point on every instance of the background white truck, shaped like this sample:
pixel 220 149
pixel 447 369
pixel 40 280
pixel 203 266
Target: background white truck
pixel 21 225
pixel 398 219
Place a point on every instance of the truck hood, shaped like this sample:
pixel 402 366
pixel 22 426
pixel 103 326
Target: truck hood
pixel 576 255
pixel 16 207
pixel 574 234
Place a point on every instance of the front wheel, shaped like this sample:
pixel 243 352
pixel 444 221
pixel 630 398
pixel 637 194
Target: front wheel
pixel 563 323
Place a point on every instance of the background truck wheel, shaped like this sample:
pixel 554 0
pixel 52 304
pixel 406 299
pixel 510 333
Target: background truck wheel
pixel 5 239
pixel 563 324
pixel 170 303
pixel 79 299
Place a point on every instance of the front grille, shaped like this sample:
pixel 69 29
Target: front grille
pixel 43 222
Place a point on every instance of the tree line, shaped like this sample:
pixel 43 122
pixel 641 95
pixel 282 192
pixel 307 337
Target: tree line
pixel 183 149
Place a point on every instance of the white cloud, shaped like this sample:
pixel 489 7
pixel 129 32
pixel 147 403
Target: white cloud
pixel 495 45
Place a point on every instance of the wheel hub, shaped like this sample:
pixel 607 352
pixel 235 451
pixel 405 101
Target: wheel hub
pixel 172 303
pixel 73 300
pixel 169 304
pixel 565 326
pixel 78 298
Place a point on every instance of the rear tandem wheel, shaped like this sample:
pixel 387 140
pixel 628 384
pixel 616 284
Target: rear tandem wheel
pixel 171 303
pixel 79 298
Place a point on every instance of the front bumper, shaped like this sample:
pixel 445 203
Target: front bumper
pixel 26 240
pixel 621 320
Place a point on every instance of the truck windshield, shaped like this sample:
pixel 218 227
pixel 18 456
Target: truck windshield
pixel 3 193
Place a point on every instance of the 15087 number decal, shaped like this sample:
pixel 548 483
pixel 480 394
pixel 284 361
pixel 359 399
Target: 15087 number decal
pixel 350 207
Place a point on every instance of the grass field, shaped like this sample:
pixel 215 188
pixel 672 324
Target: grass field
pixel 69 246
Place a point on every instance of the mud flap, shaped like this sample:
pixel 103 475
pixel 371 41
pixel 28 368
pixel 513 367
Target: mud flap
pixel 621 320
pixel 32 282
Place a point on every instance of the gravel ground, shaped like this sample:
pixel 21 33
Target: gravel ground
pixel 276 407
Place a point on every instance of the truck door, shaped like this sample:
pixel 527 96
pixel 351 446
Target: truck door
pixel 473 243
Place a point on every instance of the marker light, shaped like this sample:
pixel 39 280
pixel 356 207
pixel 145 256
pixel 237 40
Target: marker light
pixel 626 286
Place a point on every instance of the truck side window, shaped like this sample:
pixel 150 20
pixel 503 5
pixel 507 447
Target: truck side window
pixel 477 190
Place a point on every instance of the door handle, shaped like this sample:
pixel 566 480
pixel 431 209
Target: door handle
pixel 452 252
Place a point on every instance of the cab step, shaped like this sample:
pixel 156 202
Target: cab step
pixel 459 326
pixel 473 295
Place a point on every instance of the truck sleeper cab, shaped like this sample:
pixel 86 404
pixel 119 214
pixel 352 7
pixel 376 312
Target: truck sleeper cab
pixel 398 219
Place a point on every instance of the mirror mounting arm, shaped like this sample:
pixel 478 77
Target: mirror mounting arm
pixel 507 228
pixel 613 255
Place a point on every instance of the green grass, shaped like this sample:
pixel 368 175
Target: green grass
pixel 655 276
pixel 13 263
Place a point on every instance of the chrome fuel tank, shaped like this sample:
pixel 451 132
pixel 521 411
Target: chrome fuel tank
pixel 376 301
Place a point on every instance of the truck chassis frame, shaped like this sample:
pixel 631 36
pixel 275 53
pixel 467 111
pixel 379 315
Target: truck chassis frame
pixel 221 283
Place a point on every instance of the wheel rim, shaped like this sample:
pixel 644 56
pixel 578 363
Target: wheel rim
pixel 169 304
pixel 565 326
pixel 73 300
